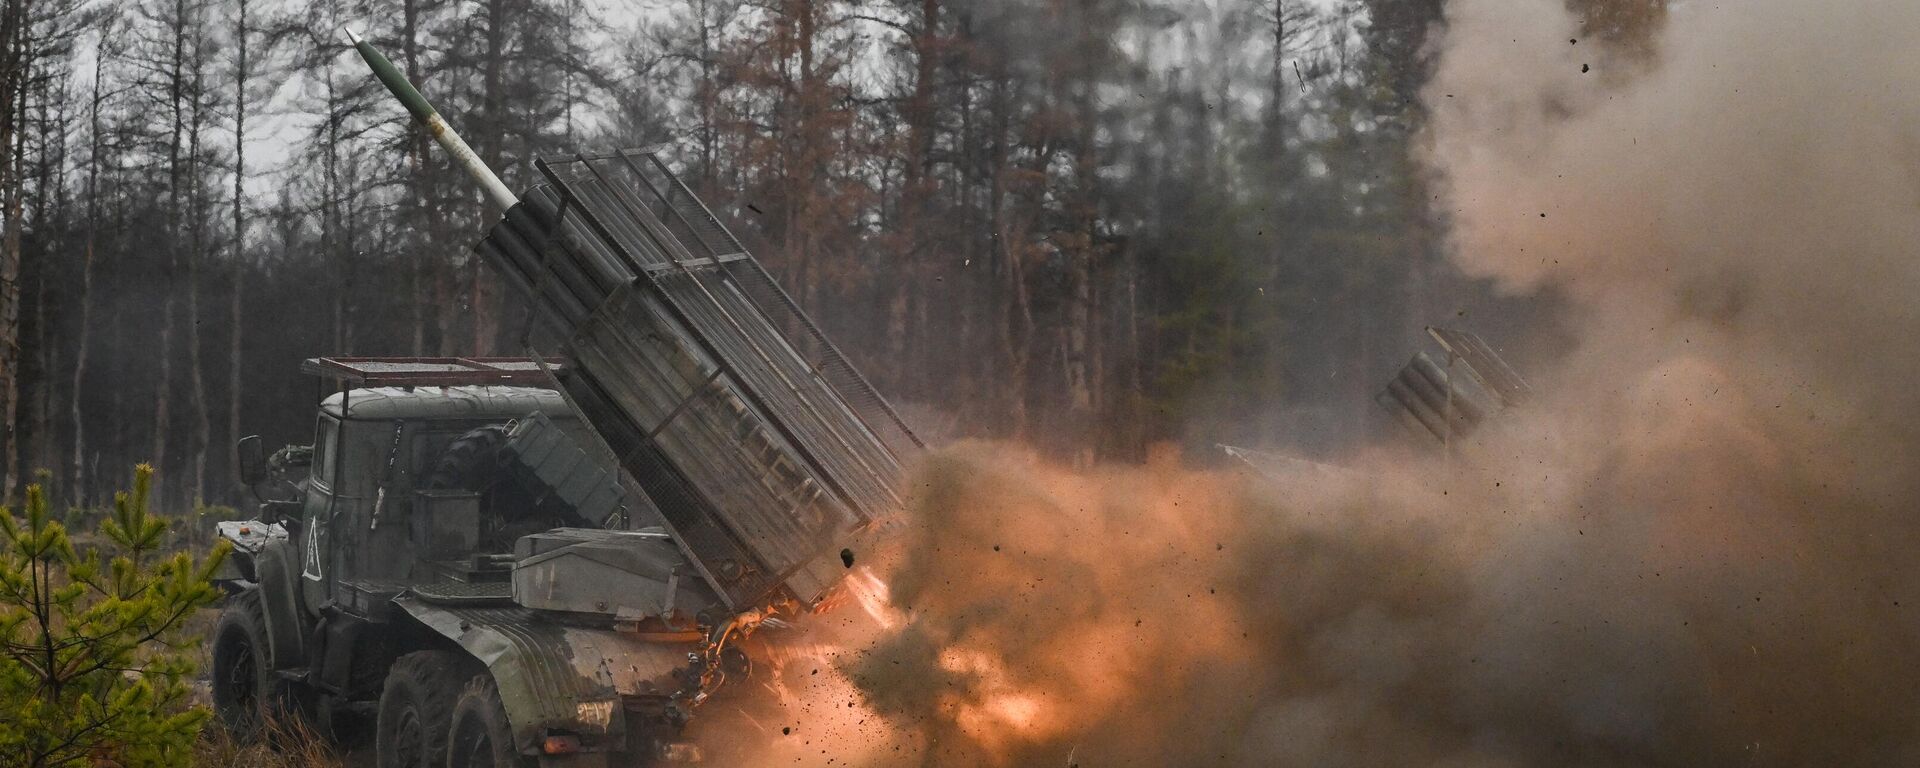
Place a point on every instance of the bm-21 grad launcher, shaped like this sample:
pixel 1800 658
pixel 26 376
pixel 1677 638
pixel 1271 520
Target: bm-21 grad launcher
pixel 765 453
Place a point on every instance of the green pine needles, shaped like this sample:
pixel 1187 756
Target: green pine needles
pixel 94 667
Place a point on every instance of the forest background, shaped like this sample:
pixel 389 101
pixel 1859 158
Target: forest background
pixel 1090 225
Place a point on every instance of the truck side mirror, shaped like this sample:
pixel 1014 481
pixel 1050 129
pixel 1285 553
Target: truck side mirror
pixel 253 460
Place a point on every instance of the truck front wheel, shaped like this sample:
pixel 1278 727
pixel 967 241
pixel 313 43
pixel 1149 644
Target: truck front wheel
pixel 246 692
pixel 415 708
pixel 481 737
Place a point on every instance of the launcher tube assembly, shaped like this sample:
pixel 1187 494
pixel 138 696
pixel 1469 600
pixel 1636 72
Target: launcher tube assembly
pixel 436 126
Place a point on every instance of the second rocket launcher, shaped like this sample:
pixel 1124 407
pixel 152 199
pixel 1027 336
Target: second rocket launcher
pixel 760 447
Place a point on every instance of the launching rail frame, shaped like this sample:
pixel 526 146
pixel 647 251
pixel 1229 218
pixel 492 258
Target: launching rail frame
pixel 764 449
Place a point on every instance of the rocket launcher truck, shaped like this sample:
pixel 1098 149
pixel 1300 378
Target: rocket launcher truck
pixel 554 559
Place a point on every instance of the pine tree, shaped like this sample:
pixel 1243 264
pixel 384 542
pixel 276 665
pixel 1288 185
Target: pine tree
pixel 93 663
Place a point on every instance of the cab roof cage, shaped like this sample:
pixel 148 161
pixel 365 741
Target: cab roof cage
pixel 430 371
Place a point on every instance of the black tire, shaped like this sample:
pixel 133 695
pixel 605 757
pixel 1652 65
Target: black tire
pixel 247 695
pixel 415 708
pixel 480 736
pixel 472 461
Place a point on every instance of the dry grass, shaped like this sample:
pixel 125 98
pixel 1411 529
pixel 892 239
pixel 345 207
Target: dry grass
pixel 289 743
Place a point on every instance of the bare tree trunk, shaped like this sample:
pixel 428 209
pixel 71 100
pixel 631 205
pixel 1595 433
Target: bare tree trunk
pixel 484 326
pixel 237 282
pixel 909 289
pixel 493 143
pixel 49 167
pixel 46 194
pixel 13 35
pixel 1082 249
pixel 77 479
pixel 349 211
pixel 77 488
pixel 119 441
pixel 1013 316
pixel 568 43
pixel 418 198
pixel 330 215
pixel 433 274
pixel 812 160
pixel 1136 389
pixel 708 95
pixel 10 346
pixel 163 401
pixel 42 436
pixel 976 278
pixel 196 245
pixel 10 333
pixel 800 159
pixel 446 292
pixel 1277 81
pixel 1079 372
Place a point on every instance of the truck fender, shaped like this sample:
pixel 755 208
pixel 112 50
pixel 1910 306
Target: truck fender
pixel 555 677
pixel 278 571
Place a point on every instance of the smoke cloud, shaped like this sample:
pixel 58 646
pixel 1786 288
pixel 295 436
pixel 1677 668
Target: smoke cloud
pixel 1695 547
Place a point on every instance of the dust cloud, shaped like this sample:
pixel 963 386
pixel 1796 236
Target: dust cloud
pixel 1696 547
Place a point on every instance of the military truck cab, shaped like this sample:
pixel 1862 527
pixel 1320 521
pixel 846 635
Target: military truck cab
pixel 454 568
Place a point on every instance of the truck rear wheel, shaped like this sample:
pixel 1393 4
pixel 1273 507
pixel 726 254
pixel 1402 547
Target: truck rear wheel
pixel 246 692
pixel 415 709
pixel 481 736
